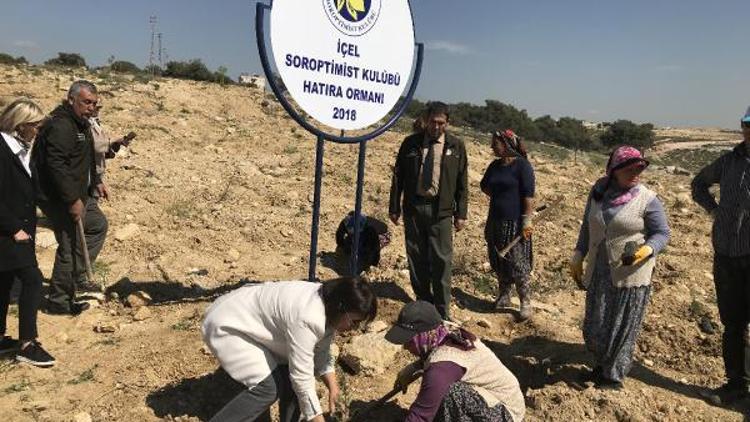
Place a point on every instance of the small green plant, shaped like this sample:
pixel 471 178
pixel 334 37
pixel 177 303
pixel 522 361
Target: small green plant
pixel 485 284
pixel 109 341
pixel 182 208
pixel 17 387
pixel 101 268
pixel 85 376
pixel 291 149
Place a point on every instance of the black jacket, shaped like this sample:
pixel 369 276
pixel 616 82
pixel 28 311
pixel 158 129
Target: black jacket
pixel 17 211
pixel 453 192
pixel 369 241
pixel 63 157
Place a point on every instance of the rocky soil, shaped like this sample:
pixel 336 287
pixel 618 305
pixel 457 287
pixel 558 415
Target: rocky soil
pixel 216 191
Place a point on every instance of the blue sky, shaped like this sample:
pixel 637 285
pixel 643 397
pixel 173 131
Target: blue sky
pixel 671 62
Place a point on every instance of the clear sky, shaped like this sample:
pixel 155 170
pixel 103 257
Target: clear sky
pixel 671 62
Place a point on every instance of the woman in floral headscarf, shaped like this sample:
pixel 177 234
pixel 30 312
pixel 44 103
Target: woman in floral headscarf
pixel 463 379
pixel 624 228
pixel 509 182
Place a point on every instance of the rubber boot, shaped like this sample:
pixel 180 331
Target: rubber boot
pixel 503 298
pixel 526 310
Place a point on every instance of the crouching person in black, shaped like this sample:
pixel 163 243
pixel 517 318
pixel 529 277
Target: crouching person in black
pixel 19 123
pixel 373 236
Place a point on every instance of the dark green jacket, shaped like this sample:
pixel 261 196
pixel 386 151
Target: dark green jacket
pixel 453 191
pixel 63 155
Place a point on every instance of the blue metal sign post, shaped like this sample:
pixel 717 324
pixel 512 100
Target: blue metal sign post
pixel 260 31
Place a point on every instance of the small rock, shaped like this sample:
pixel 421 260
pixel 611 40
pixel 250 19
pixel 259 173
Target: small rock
pixel 82 417
pixel 706 325
pixel 648 362
pixel 484 323
pixel 127 232
pixel 104 328
pixel 369 354
pixel 202 272
pixel 377 326
pixel 205 350
pixel 233 255
pixel 142 314
pixel 138 299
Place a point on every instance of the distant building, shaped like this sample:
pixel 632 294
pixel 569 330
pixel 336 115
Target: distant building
pixel 255 81
pixel 593 125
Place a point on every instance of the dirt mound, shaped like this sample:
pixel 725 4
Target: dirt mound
pixel 215 192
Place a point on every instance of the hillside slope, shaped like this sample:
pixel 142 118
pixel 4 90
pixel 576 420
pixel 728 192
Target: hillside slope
pixel 216 190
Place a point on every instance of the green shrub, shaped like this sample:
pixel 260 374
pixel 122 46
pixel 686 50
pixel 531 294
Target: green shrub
pixel 124 67
pixel 627 132
pixel 8 59
pixel 67 60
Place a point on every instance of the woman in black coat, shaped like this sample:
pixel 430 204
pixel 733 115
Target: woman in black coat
pixel 19 123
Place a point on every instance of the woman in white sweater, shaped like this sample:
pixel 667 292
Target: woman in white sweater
pixel 275 339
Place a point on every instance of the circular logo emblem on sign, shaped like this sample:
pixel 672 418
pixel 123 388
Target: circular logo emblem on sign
pixel 346 63
pixel 352 17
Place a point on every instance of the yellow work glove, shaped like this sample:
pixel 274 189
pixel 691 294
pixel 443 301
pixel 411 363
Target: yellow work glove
pixel 527 227
pixel 575 268
pixel 642 254
pixel 404 377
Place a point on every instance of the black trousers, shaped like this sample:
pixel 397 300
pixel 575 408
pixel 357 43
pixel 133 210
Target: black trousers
pixel 732 280
pixel 69 265
pixel 28 301
pixel 253 404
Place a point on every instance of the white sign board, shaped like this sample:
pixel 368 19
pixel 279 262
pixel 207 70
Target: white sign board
pixel 345 62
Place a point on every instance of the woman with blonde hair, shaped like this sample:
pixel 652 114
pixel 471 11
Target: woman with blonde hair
pixel 19 123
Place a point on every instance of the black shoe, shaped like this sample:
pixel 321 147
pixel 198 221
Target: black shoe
pixel 87 287
pixel 7 344
pixel 35 355
pixel 725 395
pixel 594 375
pixel 75 309
pixel 607 384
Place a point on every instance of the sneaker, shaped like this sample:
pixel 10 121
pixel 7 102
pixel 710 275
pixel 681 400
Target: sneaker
pixel 75 309
pixel 35 355
pixel 7 344
pixel 607 384
pixel 526 310
pixel 725 395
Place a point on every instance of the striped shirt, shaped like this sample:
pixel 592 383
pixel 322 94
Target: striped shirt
pixel 731 229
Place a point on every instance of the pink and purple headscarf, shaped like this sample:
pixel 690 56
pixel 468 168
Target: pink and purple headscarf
pixel 621 157
pixel 425 342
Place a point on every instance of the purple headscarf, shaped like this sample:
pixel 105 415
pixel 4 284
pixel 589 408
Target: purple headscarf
pixel 621 157
pixel 425 342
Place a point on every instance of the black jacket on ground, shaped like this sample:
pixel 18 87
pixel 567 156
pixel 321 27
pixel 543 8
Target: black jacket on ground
pixel 453 191
pixel 369 241
pixel 63 156
pixel 17 211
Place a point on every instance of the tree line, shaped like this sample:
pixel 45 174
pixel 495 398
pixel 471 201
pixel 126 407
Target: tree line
pixel 493 115
pixel 565 131
pixel 193 69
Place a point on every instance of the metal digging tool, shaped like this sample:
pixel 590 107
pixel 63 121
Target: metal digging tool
pixel 84 250
pixel 504 251
pixel 358 416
